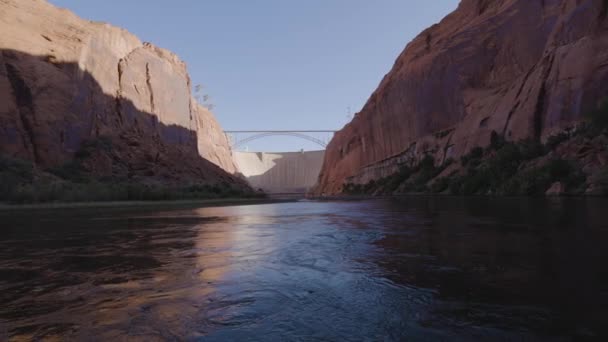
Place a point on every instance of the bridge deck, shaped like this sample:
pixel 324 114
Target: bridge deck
pixel 283 131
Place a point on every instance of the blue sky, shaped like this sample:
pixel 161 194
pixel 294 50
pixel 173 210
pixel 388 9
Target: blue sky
pixel 277 64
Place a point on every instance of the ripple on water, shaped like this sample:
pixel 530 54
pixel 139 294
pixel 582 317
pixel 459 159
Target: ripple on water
pixel 423 269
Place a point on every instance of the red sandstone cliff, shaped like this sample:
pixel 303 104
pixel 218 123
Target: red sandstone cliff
pixel 522 68
pixel 65 81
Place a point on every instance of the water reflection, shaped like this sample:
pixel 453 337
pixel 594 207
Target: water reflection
pixel 414 268
pixel 529 265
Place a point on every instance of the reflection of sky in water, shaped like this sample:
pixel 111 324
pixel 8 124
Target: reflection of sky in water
pixel 240 237
pixel 424 268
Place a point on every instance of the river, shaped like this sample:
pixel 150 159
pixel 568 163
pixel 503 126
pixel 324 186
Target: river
pixel 414 268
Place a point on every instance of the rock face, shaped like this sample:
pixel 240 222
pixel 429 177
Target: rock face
pixel 65 81
pixel 556 189
pixel 213 144
pixel 522 68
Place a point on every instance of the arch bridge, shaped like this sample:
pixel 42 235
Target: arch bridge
pixel 259 134
pixel 279 172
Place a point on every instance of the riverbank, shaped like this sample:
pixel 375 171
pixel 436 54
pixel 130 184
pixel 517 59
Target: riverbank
pixel 23 182
pixel 147 204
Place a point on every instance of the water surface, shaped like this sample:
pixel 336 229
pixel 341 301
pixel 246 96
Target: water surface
pixel 416 269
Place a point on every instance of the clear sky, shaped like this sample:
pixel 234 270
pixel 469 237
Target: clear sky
pixel 277 64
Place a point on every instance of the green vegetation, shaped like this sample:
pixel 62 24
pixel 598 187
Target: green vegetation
pixel 62 191
pixel 13 173
pixel 474 157
pixel 602 182
pixel 89 146
pixel 598 118
pixel 21 182
pixel 408 179
pixel 556 140
pixel 502 169
pixel 523 168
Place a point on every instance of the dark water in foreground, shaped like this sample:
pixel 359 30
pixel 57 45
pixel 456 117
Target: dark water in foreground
pixel 386 270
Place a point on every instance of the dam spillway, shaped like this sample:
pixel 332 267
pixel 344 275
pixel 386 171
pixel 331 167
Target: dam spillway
pixel 280 172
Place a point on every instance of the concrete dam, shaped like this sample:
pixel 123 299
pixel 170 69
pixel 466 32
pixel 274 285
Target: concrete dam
pixel 280 172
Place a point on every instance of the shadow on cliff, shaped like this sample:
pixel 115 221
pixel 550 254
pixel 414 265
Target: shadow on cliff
pixel 55 114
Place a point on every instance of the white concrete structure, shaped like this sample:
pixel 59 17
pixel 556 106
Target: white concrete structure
pixel 280 172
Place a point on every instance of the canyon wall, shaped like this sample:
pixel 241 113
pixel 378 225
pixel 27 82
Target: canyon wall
pixel 280 172
pixel 65 81
pixel 521 68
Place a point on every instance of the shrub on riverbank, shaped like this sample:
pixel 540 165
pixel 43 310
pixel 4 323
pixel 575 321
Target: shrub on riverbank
pixel 523 168
pixel 407 179
pixel 13 173
pixel 21 182
pixel 601 182
pixel 61 191
pixel 503 170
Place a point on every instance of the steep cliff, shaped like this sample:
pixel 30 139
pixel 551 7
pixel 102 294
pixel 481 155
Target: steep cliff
pixel 67 83
pixel 213 144
pixel 521 68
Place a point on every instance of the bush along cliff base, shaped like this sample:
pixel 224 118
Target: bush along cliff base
pixel 78 181
pixel 573 162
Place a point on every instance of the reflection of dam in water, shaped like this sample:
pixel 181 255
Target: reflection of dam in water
pixel 280 172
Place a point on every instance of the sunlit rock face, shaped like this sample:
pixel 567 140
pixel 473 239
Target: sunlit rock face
pixel 65 80
pixel 522 68
pixel 213 144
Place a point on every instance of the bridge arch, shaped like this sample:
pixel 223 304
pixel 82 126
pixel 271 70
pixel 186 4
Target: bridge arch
pixel 268 134
pixel 262 134
pixel 279 171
